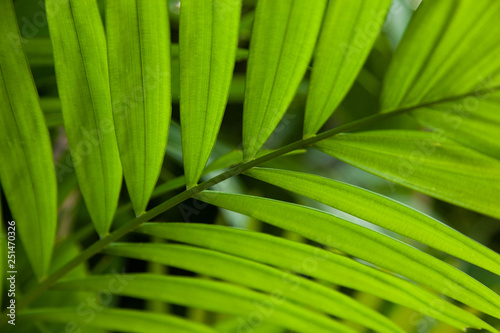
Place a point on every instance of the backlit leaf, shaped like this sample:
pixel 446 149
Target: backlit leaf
pixel 383 212
pixel 27 169
pixel 314 262
pixel 116 320
pixel 283 38
pixel 427 162
pixel 208 39
pixel 405 260
pixel 256 276
pixel 79 44
pixel 138 37
pixel 451 74
pixel 212 296
pixel 347 36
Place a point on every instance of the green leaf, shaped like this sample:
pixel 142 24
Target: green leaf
pixel 27 169
pixel 213 296
pixel 283 38
pixel 472 121
pixel 257 276
pixel 449 54
pixel 383 212
pixel 232 325
pixel 81 66
pixel 347 36
pixel 404 260
pixel 117 320
pixel 314 262
pixel 138 37
pixel 208 40
pixel 427 162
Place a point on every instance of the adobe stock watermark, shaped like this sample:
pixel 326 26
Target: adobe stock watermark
pixel 11 272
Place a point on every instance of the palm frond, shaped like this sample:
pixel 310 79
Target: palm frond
pixel 208 36
pixel 287 239
pixel 425 161
pixel 138 41
pixel 81 66
pixel 347 36
pixel 283 38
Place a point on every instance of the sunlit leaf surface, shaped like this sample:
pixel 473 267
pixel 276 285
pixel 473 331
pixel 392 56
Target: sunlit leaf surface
pixel 26 169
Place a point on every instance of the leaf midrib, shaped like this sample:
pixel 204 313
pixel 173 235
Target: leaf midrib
pixel 478 93
pixel 144 111
pixel 99 135
pixel 276 72
pixel 342 62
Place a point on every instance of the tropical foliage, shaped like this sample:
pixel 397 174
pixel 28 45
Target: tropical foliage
pixel 247 205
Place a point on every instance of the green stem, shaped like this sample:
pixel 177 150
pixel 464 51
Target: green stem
pixel 174 201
